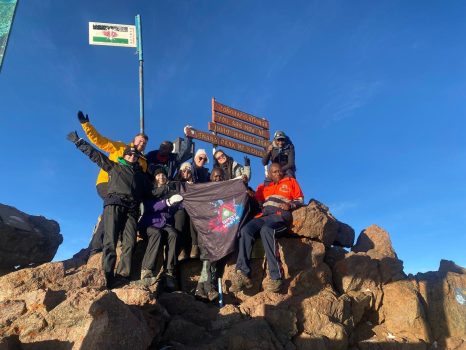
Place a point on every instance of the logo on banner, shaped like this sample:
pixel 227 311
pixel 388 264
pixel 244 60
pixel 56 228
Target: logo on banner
pixel 227 214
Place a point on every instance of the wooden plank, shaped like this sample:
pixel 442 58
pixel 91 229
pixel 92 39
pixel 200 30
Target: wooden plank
pixel 222 119
pixel 232 112
pixel 237 135
pixel 220 141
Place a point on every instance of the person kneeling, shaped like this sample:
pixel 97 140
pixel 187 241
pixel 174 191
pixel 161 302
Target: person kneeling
pixel 278 198
pixel 156 221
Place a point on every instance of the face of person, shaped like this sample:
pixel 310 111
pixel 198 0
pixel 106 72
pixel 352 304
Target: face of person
pixel 186 174
pixel 221 157
pixel 280 142
pixel 140 143
pixel 165 148
pixel 275 173
pixel 132 158
pixel 217 176
pixel 160 179
pixel 200 160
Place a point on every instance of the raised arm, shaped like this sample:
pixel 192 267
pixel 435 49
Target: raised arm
pixel 185 151
pixel 96 138
pixel 94 155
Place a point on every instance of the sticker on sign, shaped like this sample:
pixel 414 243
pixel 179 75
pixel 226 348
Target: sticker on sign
pixel 112 34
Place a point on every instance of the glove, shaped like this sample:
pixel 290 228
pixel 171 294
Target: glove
pixel 185 129
pixel 73 137
pixel 175 199
pixel 82 119
pixel 247 161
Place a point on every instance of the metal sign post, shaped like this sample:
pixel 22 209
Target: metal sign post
pixel 141 68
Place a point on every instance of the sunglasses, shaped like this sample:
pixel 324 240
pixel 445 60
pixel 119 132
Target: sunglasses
pixel 220 157
pixel 185 170
pixel 203 158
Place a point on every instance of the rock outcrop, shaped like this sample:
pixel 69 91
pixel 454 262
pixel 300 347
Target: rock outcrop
pixel 331 299
pixel 25 239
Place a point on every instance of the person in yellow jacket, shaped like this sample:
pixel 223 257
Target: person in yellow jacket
pixel 115 149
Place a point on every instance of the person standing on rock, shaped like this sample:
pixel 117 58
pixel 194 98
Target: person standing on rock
pixel 277 199
pixel 115 149
pixel 127 187
pixel 281 151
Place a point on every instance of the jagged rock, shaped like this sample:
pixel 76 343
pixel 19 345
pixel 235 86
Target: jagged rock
pixel 315 221
pixel 376 243
pixel 334 254
pixel 403 313
pixel 444 295
pixel 26 239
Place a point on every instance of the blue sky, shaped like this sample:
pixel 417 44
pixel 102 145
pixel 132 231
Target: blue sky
pixel 373 95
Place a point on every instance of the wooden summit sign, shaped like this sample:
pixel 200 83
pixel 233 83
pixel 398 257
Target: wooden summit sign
pixel 253 130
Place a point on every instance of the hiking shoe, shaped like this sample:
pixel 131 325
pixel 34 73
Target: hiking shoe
pixel 240 281
pixel 194 252
pixel 212 295
pixel 273 286
pixel 200 291
pixel 182 256
pixel 117 282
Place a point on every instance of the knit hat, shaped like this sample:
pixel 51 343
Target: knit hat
pixel 186 165
pixel 279 135
pixel 201 151
pixel 160 169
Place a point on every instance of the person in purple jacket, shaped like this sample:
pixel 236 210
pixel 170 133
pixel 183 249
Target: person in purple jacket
pixel 157 221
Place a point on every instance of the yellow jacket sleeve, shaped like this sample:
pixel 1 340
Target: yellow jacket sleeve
pixel 100 141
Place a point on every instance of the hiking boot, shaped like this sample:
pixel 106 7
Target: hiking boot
pixel 194 252
pixel 200 291
pixel 240 281
pixel 273 285
pixel 212 295
pixel 182 256
pixel 117 282
pixel 146 274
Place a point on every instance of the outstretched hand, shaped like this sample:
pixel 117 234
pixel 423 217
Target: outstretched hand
pixel 247 161
pixel 82 119
pixel 73 137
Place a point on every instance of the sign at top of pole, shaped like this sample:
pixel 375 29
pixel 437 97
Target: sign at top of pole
pixel 112 34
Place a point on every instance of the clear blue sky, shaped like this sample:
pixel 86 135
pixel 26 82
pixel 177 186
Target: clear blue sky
pixel 373 95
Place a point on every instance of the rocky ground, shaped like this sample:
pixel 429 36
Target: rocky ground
pixel 333 298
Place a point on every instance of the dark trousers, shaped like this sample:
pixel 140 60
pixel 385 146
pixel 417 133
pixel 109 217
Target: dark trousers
pixel 98 234
pixel 269 227
pixel 186 229
pixel 118 219
pixel 154 238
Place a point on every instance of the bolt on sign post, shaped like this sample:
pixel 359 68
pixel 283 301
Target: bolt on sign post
pixel 237 126
pixel 7 14
pixel 122 35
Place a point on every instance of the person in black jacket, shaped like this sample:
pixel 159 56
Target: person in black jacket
pixel 200 172
pixel 126 188
pixel 281 151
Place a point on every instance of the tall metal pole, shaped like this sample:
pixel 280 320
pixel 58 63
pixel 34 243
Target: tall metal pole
pixel 141 69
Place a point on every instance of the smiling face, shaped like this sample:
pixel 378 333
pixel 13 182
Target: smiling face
pixel 217 175
pixel 200 160
pixel 280 142
pixel 220 157
pixel 131 158
pixel 275 172
pixel 160 179
pixel 140 143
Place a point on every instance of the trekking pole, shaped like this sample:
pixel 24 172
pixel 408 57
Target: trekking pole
pixel 220 293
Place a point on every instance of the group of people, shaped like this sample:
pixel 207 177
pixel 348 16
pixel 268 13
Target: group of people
pixel 129 177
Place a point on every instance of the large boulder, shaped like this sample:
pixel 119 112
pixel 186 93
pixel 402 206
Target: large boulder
pixel 316 222
pixel 26 239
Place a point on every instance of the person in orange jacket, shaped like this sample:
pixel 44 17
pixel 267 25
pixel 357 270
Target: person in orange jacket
pixel 277 199
pixel 115 150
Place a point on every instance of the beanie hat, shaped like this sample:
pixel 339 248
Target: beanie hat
pixel 201 151
pixel 160 169
pixel 186 165
pixel 279 135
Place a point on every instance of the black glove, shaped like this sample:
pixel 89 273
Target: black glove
pixel 247 161
pixel 82 119
pixel 73 137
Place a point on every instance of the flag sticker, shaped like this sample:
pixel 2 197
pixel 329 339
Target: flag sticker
pixel 112 34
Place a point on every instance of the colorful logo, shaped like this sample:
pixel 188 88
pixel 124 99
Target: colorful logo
pixel 227 214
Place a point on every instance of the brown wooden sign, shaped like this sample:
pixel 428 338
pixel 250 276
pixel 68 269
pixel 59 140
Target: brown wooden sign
pixel 237 135
pixel 222 119
pixel 220 141
pixel 216 106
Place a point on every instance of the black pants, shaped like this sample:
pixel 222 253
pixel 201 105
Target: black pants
pixel 98 236
pixel 118 219
pixel 154 238
pixel 186 229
